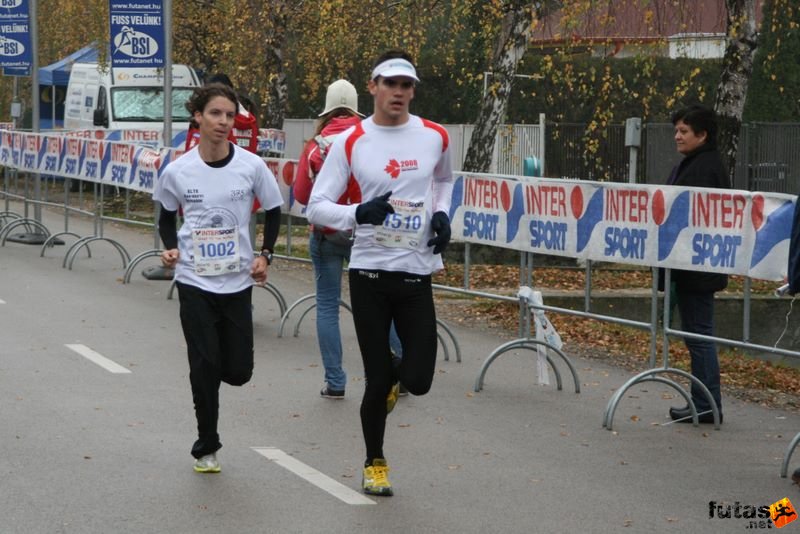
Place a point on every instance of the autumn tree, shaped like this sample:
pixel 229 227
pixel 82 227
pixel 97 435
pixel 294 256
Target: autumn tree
pixel 262 44
pixel 266 47
pixel 609 27
pixel 737 66
pixel 247 41
pixel 272 48
pixel 515 19
pixel 255 54
pixel 60 36
pixel 339 39
pixel 774 93
pixel 197 42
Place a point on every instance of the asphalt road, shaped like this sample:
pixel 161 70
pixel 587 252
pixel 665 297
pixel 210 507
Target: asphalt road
pixel 89 448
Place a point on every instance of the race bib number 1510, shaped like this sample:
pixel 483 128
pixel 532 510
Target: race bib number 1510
pixel 403 228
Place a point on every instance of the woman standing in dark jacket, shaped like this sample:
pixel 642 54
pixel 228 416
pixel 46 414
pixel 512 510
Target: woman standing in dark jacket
pixel 696 139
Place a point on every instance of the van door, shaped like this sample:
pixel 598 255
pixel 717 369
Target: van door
pixel 89 104
pixel 74 108
pixel 100 115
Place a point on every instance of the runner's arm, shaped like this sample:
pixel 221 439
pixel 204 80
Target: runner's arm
pixel 331 183
pixel 168 227
pixel 443 183
pixel 272 225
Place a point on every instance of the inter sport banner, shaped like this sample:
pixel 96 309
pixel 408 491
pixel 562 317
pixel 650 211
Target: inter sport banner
pixel 729 231
pixel 151 138
pixel 97 159
pixel 135 167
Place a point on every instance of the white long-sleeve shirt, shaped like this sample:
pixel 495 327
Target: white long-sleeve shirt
pixel 413 162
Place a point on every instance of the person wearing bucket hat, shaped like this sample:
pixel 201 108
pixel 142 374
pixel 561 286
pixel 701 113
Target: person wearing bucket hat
pixel 397 170
pixel 329 248
pixel 341 95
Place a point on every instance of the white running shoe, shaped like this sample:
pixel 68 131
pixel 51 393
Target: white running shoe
pixel 207 464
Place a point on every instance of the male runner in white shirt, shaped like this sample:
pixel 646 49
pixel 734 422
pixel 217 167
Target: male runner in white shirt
pixel 215 184
pixel 400 164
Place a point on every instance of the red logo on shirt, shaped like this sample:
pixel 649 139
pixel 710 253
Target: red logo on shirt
pixel 393 168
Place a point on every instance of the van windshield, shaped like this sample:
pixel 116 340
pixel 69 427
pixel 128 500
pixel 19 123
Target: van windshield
pixel 146 104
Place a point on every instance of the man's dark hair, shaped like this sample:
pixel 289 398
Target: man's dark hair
pixel 700 119
pixel 222 78
pixel 393 54
pixel 202 95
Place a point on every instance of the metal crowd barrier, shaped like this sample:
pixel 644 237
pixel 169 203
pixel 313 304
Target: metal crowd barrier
pixel 443 331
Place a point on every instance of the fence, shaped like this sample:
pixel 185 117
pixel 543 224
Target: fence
pixel 514 143
pixel 767 157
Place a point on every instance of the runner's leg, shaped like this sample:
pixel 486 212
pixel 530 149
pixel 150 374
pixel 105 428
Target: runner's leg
pixel 371 316
pixel 236 337
pixel 415 319
pixel 198 318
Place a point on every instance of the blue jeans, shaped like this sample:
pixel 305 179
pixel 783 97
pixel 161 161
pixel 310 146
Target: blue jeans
pixel 328 260
pixel 394 342
pixel 697 316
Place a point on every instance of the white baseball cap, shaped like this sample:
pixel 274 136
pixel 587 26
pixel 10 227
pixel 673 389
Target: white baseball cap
pixel 395 67
pixel 341 94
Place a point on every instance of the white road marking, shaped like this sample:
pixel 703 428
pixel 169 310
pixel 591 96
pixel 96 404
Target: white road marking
pixel 99 359
pixel 310 474
pixel 2 301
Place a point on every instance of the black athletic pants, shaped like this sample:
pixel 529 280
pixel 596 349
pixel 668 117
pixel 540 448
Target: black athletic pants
pixel 219 337
pixel 377 299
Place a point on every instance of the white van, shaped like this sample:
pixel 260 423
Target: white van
pixel 126 98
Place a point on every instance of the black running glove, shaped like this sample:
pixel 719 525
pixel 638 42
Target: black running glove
pixel 374 211
pixel 440 223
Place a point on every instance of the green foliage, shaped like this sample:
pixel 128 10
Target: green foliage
pixel 452 68
pixel 774 92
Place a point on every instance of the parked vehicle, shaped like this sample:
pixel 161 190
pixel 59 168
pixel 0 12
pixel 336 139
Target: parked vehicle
pixel 126 98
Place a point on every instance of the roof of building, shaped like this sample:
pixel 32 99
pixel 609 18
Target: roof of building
pixel 634 20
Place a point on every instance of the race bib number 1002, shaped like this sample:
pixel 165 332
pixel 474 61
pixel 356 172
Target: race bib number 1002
pixel 216 250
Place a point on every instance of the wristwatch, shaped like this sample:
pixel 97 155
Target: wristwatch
pixel 266 253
